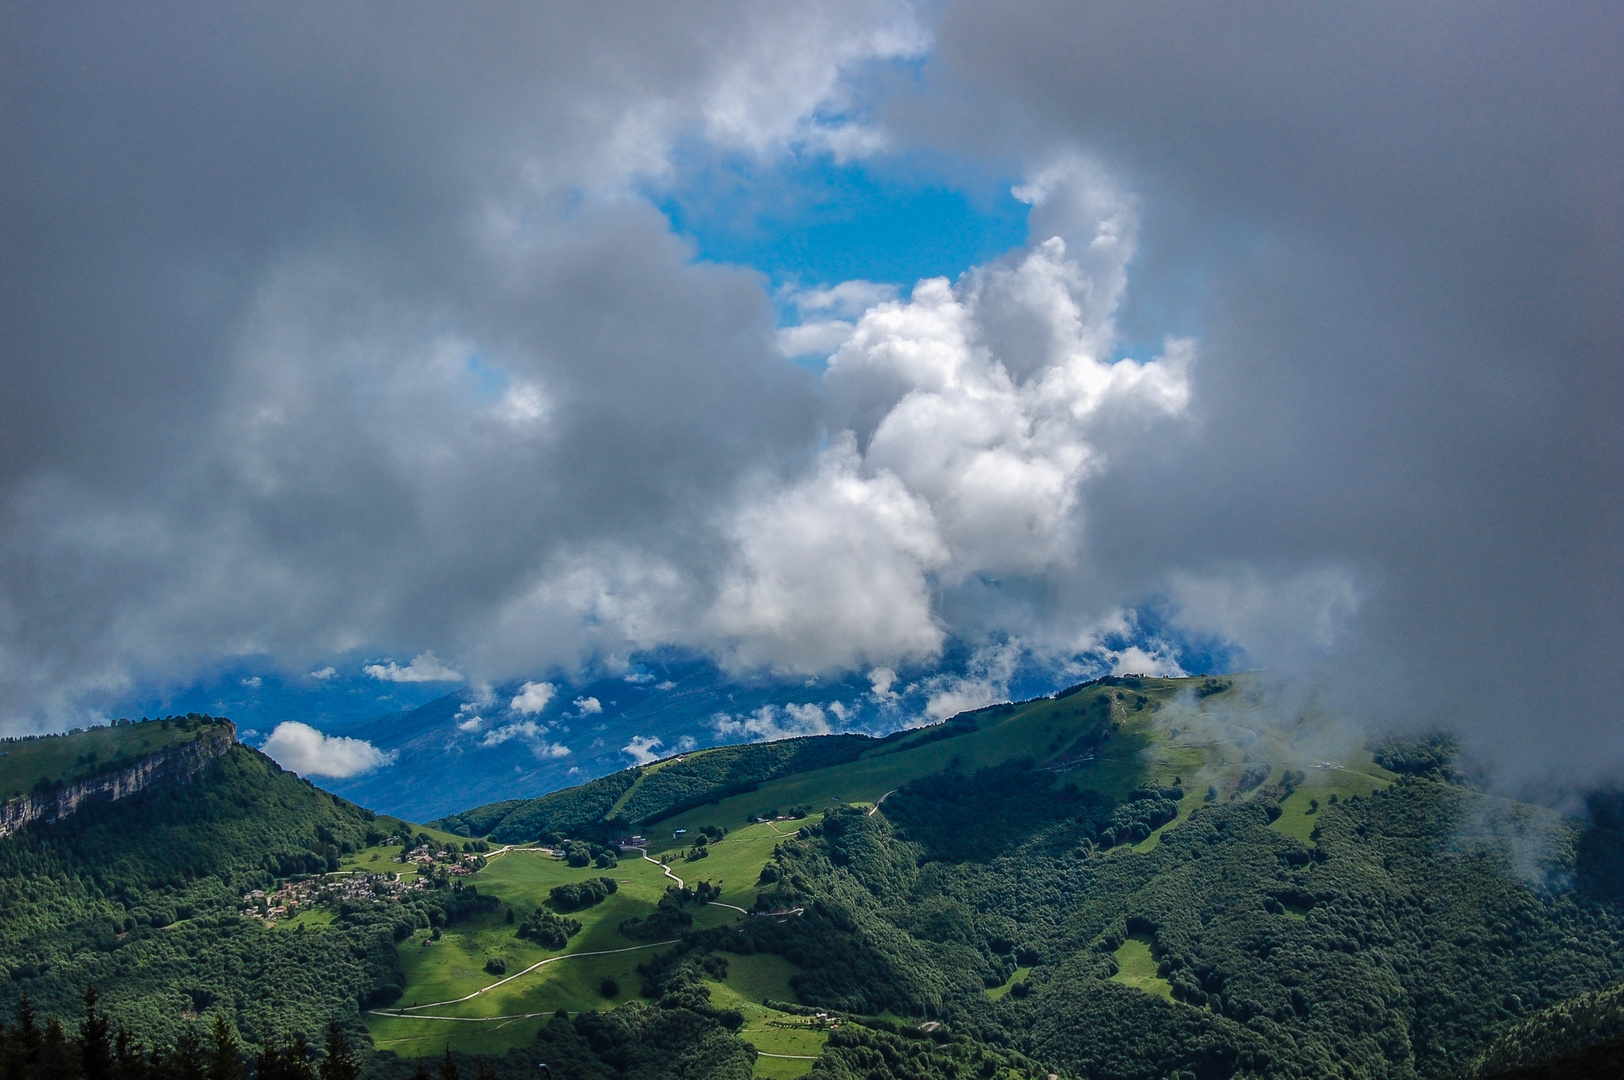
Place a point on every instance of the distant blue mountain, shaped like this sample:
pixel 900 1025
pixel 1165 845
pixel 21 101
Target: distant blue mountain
pixel 446 762
pixel 453 751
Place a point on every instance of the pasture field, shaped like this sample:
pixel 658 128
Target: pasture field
pixel 1297 815
pixel 451 998
pixel 1164 732
pixel 997 992
pixel 1136 967
pixel 788 1044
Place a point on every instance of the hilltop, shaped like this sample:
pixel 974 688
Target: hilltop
pixel 42 763
pixel 141 890
pixel 1110 736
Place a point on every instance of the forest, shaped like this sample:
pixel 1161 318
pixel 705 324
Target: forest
pixel 1394 943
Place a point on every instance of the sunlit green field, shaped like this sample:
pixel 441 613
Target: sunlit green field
pixel 1165 734
pixel 1136 967
pixel 452 1000
pixel 1020 975
pixel 787 1044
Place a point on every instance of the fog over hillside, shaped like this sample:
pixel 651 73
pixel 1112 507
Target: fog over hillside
pixel 866 342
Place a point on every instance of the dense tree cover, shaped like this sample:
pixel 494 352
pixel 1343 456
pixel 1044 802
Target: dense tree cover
pixel 1416 925
pixel 668 920
pixel 549 930
pixel 141 898
pixel 865 1053
pixel 97 1047
pixel 1431 754
pixel 575 895
pixel 1603 1061
pixel 1554 1032
pixel 955 817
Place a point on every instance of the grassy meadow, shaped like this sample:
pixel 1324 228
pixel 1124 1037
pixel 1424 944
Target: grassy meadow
pixel 451 999
pixel 1136 967
pixel 1164 732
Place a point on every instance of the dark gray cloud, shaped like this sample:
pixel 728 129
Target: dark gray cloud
pixel 331 332
pixel 328 328
pixel 1396 232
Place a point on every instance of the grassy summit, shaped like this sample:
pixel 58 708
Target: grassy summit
pixel 1110 737
pixel 47 761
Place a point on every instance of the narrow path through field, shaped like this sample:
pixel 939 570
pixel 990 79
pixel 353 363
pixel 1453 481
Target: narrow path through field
pixel 405 1009
pixel 515 847
pixel 873 809
pixel 662 866
pixel 795 1057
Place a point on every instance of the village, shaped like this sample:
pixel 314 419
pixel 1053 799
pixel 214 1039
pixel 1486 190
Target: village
pixel 434 865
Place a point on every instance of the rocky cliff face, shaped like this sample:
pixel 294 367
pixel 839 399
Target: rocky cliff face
pixel 175 764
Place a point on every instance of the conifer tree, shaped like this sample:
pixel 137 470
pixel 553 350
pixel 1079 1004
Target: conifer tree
pixel 341 1063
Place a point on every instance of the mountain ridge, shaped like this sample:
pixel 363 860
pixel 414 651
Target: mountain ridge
pixel 177 763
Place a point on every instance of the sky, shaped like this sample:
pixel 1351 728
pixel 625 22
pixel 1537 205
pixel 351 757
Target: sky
pixel 412 347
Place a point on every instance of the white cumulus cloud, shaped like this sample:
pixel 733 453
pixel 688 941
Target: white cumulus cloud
pixel 989 397
pixel 642 747
pixel 532 698
pixel 532 733
pixel 831 571
pixel 302 749
pixel 588 705
pixel 771 723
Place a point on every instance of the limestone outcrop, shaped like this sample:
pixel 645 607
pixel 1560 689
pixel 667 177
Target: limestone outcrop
pixel 173 764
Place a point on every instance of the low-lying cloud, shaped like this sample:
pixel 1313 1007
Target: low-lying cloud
pixel 532 698
pixel 642 749
pixel 302 749
pixel 425 667
pixel 770 723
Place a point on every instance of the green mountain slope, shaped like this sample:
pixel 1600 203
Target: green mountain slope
pixel 1063 877
pixel 643 795
pixel 142 897
pixel 1136 879
pixel 1109 736
pixel 1556 1031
